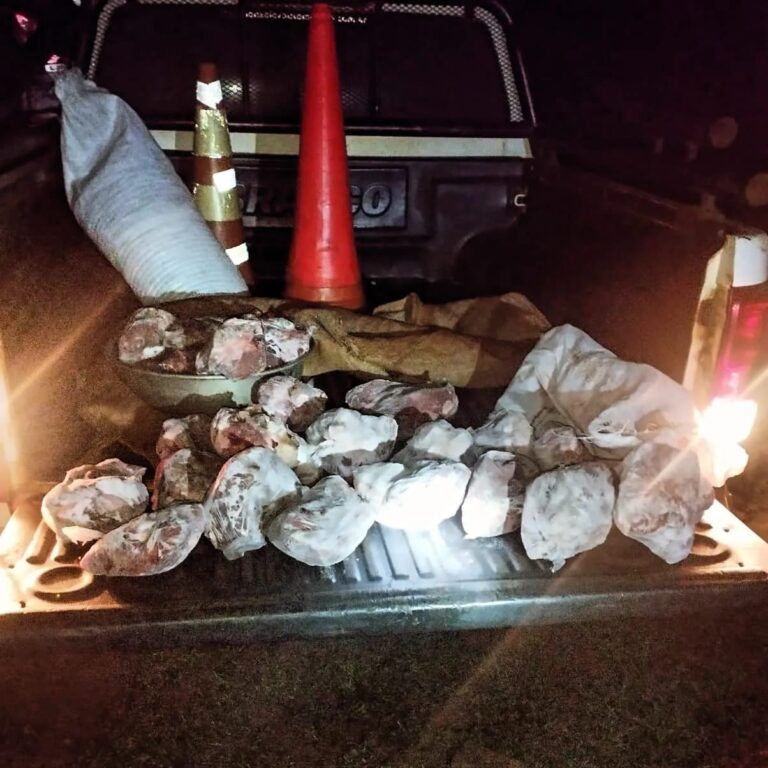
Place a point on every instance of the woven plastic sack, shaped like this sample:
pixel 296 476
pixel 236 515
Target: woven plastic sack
pixel 127 196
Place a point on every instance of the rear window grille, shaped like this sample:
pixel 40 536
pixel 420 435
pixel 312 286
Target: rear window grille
pixel 404 66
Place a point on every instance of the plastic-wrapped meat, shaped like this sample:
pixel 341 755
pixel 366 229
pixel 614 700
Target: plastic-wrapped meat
pixel 250 488
pixel 235 430
pixel 342 440
pixel 661 499
pixel 295 402
pixel 417 497
pixel 149 544
pixel 494 501
pixel 437 440
pixel 504 431
pixel 192 333
pixel 325 526
pixel 237 349
pixel 285 342
pixel 567 511
pixel 185 475
pixel 94 499
pixel 556 443
pixel 409 405
pixel 188 432
pixel 144 336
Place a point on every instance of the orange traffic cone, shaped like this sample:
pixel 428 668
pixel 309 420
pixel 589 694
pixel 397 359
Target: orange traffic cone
pixel 322 266
pixel 215 185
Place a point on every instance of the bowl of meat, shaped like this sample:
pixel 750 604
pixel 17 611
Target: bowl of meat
pixel 201 364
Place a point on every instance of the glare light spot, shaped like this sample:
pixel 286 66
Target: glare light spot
pixel 728 419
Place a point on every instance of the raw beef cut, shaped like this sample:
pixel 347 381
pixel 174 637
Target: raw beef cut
pixel 437 440
pixel 567 511
pixel 325 526
pixel 188 432
pixel 94 499
pixel 235 430
pixel 494 501
pixel 504 431
pixel 145 335
pixel 417 497
pixel 556 443
pixel 342 440
pixel 410 405
pixel 237 349
pixel 285 342
pixel 294 402
pixel 149 544
pixel 185 475
pixel 661 499
pixel 250 488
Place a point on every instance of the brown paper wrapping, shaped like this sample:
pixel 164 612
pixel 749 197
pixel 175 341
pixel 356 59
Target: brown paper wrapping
pixel 379 346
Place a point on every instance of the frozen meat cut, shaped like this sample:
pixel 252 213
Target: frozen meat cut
pixel 235 430
pixel 325 526
pixel 292 401
pixel 410 405
pixel 494 502
pixel 93 499
pixel 504 431
pixel 416 497
pixel 556 443
pixel 567 511
pixel 152 543
pixel 342 440
pixel 237 349
pixel 285 342
pixel 185 475
pixel 437 440
pixel 188 432
pixel 145 335
pixel 250 487
pixel 661 499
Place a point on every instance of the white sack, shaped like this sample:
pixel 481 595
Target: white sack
pixel 126 195
pixel 617 405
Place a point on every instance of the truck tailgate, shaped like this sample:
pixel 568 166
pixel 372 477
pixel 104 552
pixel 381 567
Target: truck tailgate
pixel 393 582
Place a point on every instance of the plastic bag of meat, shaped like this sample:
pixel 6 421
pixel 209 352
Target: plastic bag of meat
pixel 567 511
pixel 237 349
pixel 504 431
pixel 409 405
pixel 94 499
pixel 294 402
pixel 342 440
pixel 188 432
pixel 284 341
pixel 127 196
pixel 556 443
pixel 325 526
pixel 615 404
pixel 250 488
pixel 661 499
pixel 437 440
pixel 235 430
pixel 495 495
pixel 146 335
pixel 185 339
pixel 418 497
pixel 185 475
pixel 149 544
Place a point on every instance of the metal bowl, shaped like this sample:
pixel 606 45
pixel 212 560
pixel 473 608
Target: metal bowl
pixel 181 394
